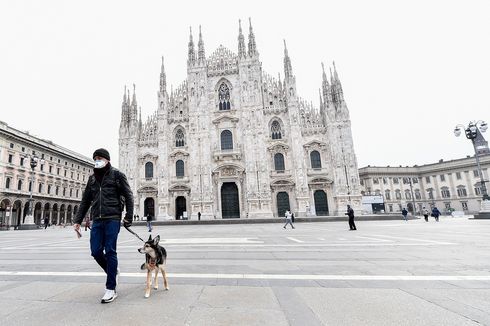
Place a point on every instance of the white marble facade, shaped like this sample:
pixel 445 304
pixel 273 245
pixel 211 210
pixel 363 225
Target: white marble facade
pixel 233 141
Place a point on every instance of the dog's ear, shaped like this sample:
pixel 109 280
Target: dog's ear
pixel 149 239
pixel 156 240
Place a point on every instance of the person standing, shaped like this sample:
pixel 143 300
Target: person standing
pixel 350 213
pixel 198 216
pixel 436 213
pixel 148 222
pixel 46 222
pixel 289 219
pixel 425 211
pixel 104 190
pixel 405 214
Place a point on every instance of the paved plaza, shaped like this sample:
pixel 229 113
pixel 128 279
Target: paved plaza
pixel 386 273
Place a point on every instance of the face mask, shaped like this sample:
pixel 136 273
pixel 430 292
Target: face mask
pixel 99 164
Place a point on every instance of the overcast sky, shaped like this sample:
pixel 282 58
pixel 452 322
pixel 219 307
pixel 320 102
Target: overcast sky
pixel 410 70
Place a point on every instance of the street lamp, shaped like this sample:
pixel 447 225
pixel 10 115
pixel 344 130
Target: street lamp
pixel 474 131
pixel 29 220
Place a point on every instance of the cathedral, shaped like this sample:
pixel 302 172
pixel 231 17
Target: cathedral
pixel 232 141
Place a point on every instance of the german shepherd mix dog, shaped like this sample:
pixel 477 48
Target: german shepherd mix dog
pixel 156 257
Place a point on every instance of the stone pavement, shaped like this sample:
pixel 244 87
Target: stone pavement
pixel 386 273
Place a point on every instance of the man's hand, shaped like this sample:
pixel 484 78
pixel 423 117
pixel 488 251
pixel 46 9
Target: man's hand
pixel 127 223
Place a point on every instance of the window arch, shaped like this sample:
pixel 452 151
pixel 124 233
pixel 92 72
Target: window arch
pixel 7 183
pixel 445 193
pixel 462 191
pixel 276 131
pixel 387 195
pixel 224 97
pixel 279 162
pixel 226 140
pixel 417 194
pixel 179 168
pixel 19 185
pixel 408 194
pixel 149 170
pixel 316 161
pixel 398 194
pixel 179 138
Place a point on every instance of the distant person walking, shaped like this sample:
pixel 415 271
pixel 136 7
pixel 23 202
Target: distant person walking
pixel 198 216
pixel 425 211
pixel 436 213
pixel 149 218
pixel 350 213
pixel 405 214
pixel 289 219
pixel 46 222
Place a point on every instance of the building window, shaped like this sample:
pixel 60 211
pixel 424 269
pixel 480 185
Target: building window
pixel 179 168
pixel 398 194
pixel 50 169
pixel 276 130
pixel 30 186
pixel 417 194
pixel 11 158
pixel 377 192
pixel 430 193
pixel 7 183
pixel 19 185
pixel 415 180
pixel 375 181
pixel 387 195
pixel 390 207
pixel 462 191
pixel 11 145
pixel 65 173
pixel 443 177
pixel 464 205
pixel 71 192
pixel 40 188
pixel 57 191
pixel 58 171
pixel 458 175
pixel 408 195
pixel 64 192
pixel 71 175
pixel 77 193
pixel 224 97
pixel 279 162
pixel 49 189
pixel 427 179
pixel 21 161
pixel 395 180
pixel 445 192
pixel 478 189
pixel 316 160
pixel 23 149
pixel 42 167
pixel 476 174
pixel 149 170
pixel 179 138
pixel 406 181
pixel 226 140
pixel 385 181
pixel 448 206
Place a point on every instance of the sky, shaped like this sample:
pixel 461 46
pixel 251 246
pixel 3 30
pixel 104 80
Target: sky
pixel 410 70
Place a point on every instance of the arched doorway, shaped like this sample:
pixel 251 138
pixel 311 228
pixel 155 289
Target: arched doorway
pixel 46 212
pixel 230 202
pixel 4 209
pixel 37 213
pixel 149 208
pixel 180 207
pixel 321 203
pixel 282 203
pixel 26 211
pixel 16 213
pixel 54 217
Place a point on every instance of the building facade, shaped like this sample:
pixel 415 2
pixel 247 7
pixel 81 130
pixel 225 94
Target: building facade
pixel 232 141
pixel 57 182
pixel 448 185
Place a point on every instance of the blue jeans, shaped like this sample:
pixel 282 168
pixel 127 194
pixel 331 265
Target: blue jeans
pixel 103 241
pixel 148 224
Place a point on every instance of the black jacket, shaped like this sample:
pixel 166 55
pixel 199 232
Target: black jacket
pixel 105 197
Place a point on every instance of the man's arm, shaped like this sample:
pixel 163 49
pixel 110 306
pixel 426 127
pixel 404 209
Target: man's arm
pixel 128 196
pixel 85 204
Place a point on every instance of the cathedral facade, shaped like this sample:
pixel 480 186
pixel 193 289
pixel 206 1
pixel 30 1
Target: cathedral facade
pixel 234 142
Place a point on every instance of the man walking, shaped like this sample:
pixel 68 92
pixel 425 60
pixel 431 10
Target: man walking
pixel 288 219
pixel 103 192
pixel 148 222
pixel 405 214
pixel 46 222
pixel 350 213
pixel 436 213
pixel 425 211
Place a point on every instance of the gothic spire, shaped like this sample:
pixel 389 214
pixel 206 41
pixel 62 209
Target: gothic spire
pixel 124 97
pixel 288 69
pixel 252 47
pixel 192 55
pixel 242 53
pixel 134 96
pixel 200 52
pixel 163 79
pixel 338 85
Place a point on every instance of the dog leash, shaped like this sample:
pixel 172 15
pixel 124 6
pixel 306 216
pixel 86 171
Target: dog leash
pixel 132 232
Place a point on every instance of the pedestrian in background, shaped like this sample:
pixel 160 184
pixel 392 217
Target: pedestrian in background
pixel 350 213
pixel 289 219
pixel 46 222
pixel 148 222
pixel 198 216
pixel 436 213
pixel 405 214
pixel 425 211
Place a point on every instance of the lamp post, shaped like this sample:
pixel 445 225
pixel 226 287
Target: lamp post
pixel 29 220
pixel 474 132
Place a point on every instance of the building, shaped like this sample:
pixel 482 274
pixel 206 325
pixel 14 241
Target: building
pixel 449 185
pixel 57 182
pixel 232 141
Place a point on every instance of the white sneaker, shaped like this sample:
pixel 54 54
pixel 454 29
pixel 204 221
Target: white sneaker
pixel 109 296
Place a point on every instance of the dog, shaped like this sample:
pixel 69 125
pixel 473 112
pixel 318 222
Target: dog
pixel 156 257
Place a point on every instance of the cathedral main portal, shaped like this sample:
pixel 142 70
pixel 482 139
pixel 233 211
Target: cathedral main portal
pixel 230 203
